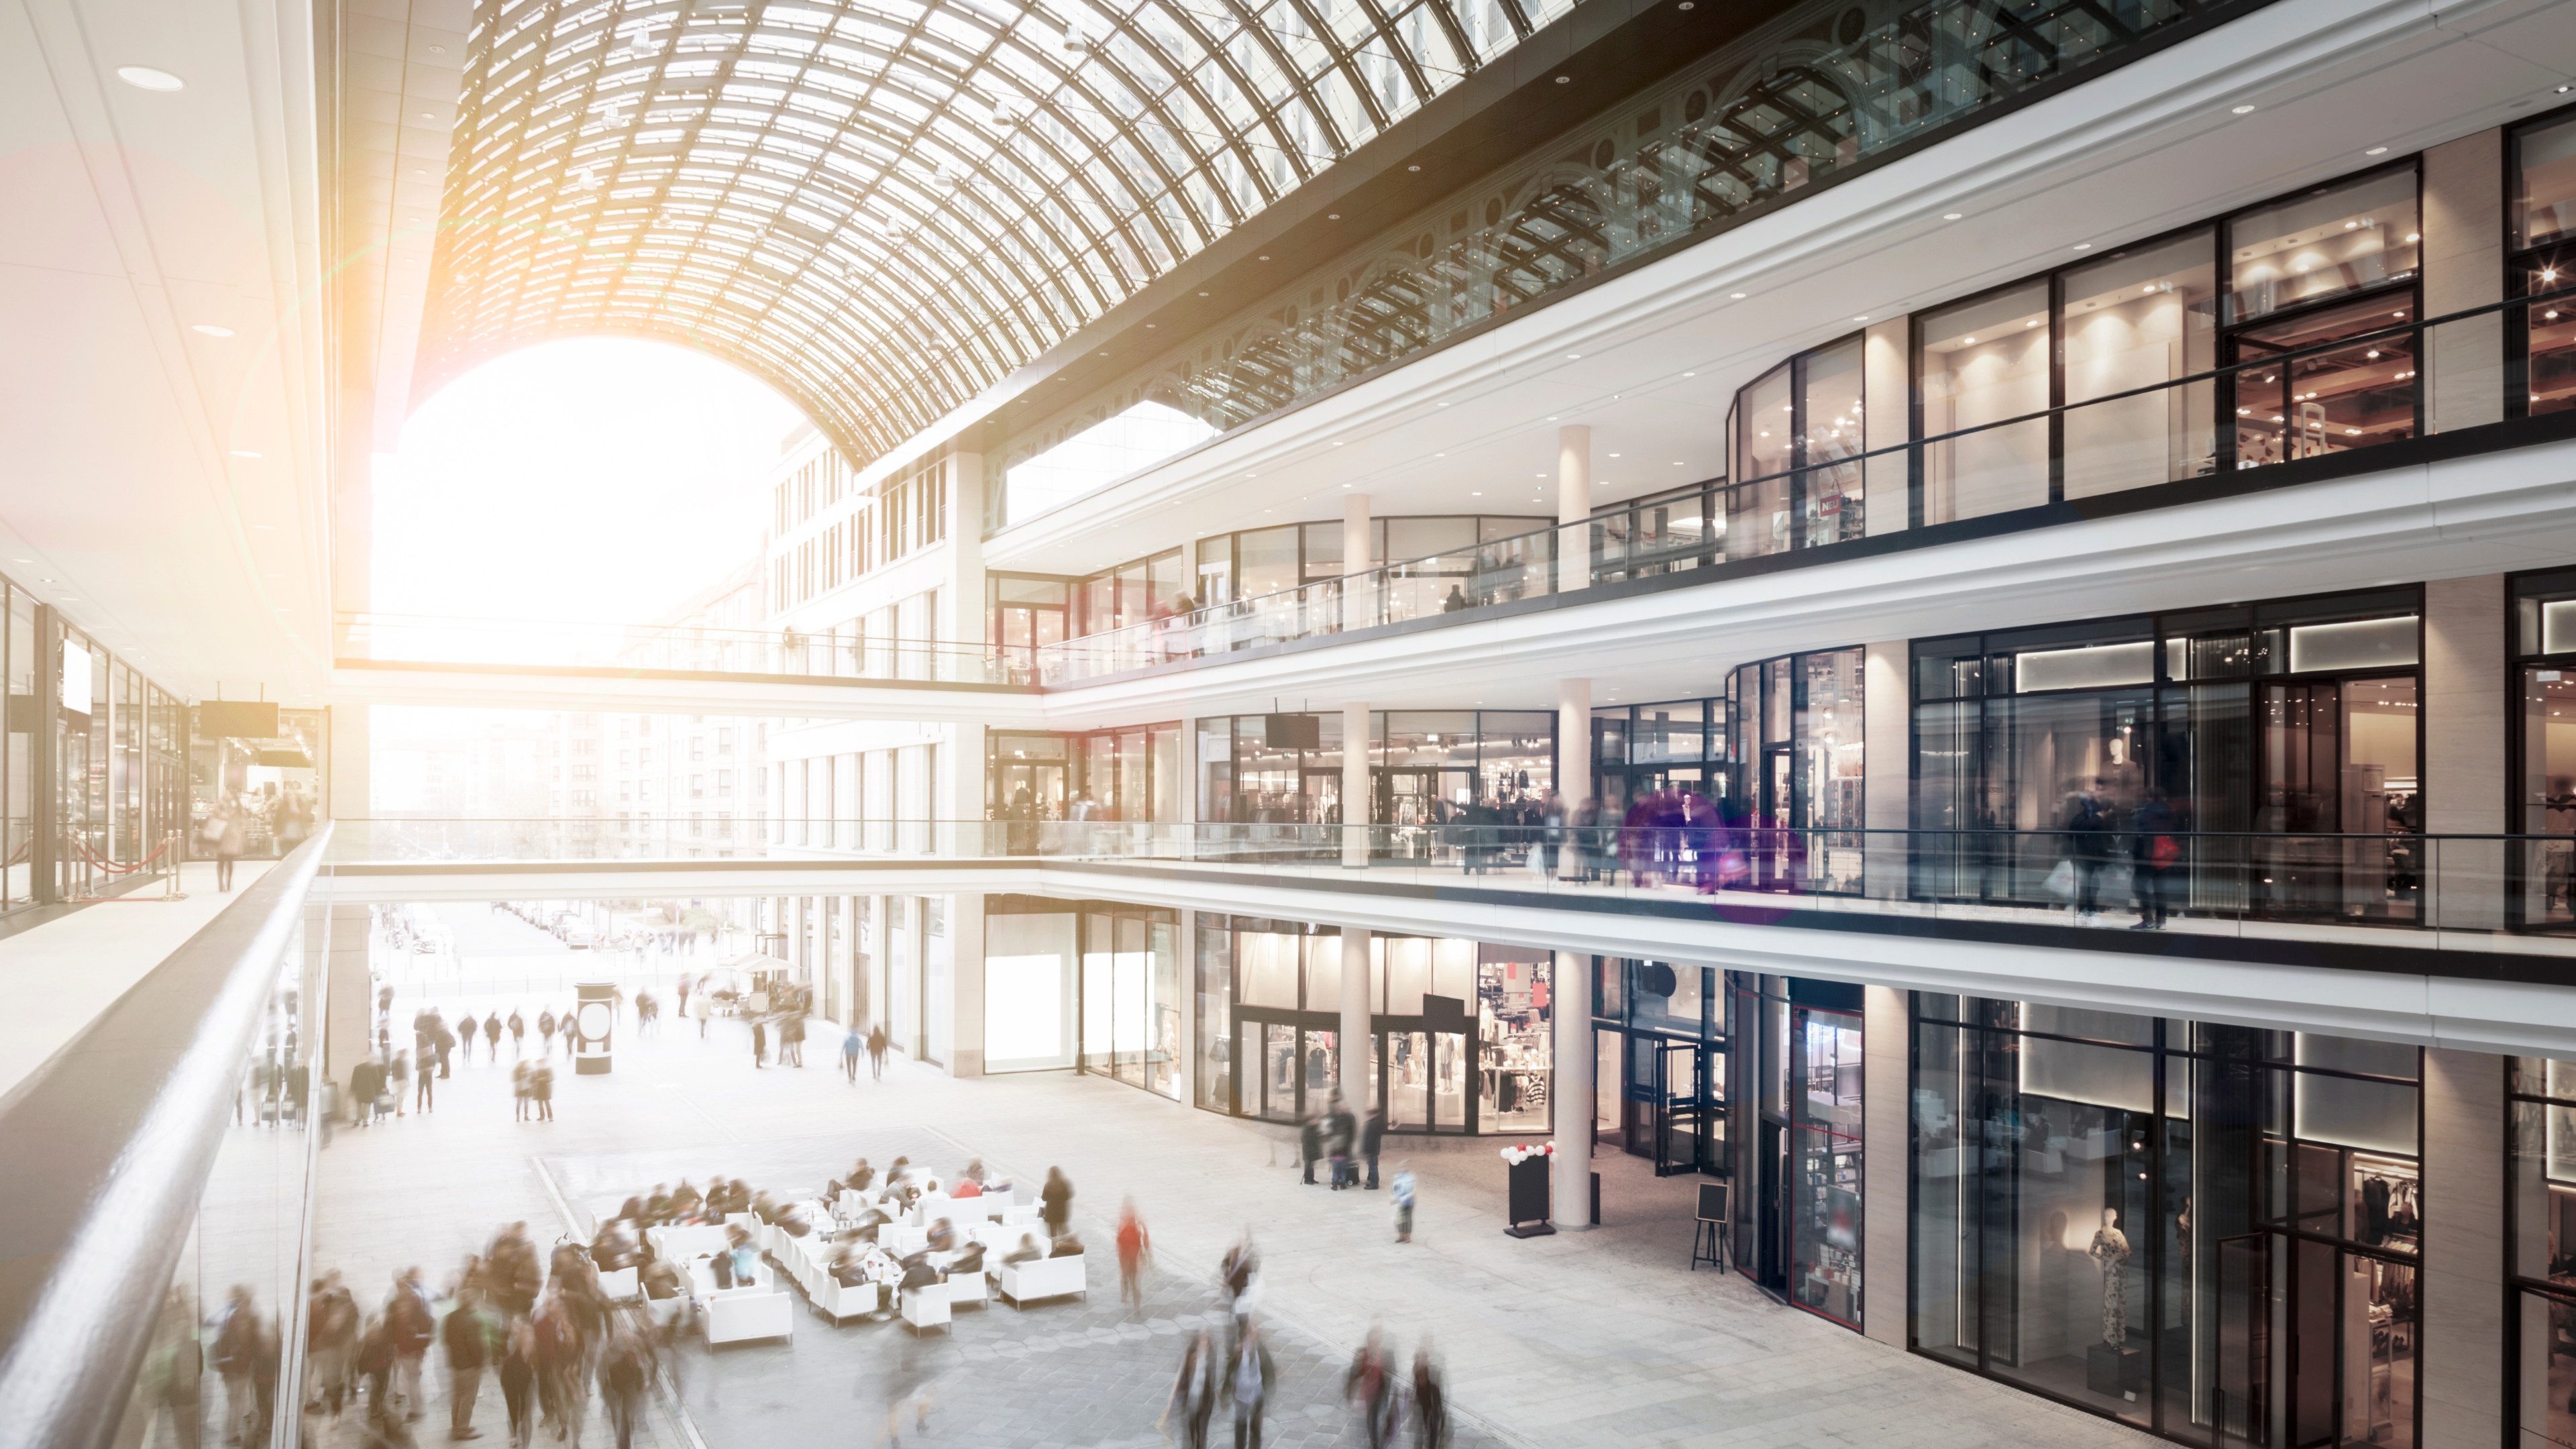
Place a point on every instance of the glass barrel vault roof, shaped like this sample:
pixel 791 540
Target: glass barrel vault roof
pixel 883 206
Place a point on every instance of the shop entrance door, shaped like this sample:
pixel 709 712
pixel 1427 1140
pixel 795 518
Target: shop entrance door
pixel 1770 1213
pixel 1775 849
pixel 1680 1107
pixel 2244 1348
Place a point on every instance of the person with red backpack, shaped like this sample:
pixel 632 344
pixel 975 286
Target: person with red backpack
pixel 2153 860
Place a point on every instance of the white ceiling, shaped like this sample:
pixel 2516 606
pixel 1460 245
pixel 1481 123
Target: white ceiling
pixel 164 484
pixel 1650 358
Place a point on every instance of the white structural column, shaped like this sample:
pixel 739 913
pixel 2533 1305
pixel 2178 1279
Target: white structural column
pixel 1185 1071
pixel 965 1055
pixel 1886 379
pixel 1571 1088
pixel 1361 600
pixel 2464 211
pixel 1885 767
pixel 1357 807
pixel 348 790
pixel 1884 1139
pixel 1573 506
pixel 2464 738
pixel 962 606
pixel 1573 762
pixel 1357 1042
pixel 336 942
pixel 2463 1333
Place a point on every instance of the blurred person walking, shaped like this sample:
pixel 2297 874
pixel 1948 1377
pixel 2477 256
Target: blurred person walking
pixel 625 1369
pixel 1194 1392
pixel 331 1341
pixel 701 1011
pixel 1055 1202
pixel 541 1089
pixel 226 828
pixel 492 1036
pixel 759 1042
pixel 853 1046
pixel 465 1030
pixel 518 1031
pixel 518 1379
pixel 1430 1400
pixel 1372 1139
pixel 467 1336
pixel 876 1052
pixel 245 1357
pixel 519 1089
pixel 1133 1245
pixel 1248 1380
pixel 409 1329
pixel 1368 1386
pixel 1400 1194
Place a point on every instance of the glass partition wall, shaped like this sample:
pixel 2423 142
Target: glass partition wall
pixel 2210 1233
pixel 1460 1029
pixel 2544 749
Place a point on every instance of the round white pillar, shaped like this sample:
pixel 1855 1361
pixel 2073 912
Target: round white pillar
pixel 1570 1101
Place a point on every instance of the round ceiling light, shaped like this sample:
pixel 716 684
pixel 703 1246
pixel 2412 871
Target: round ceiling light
pixel 149 78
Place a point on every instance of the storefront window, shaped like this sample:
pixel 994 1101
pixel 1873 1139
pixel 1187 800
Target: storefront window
pixel 1029 984
pixel 2137 319
pixel 2298 720
pixel 1825 1222
pixel 1461 1035
pixel 2544 221
pixel 2206 1232
pixel 1214 950
pixel 1798 435
pixel 1980 362
pixel 2545 777
pixel 2348 237
pixel 1514 1005
pixel 2541 1227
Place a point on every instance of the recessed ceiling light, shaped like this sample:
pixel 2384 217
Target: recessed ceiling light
pixel 1690 374
pixel 44 581
pixel 428 116
pixel 1202 294
pixel 1412 168
pixel 1739 296
pixel 1574 357
pixel 1863 317
pixel 1332 216
pixel 1614 455
pixel 244 453
pixel 148 78
pixel 1440 455
pixel 1952 215
pixel 1565 80
pixel 2084 246
pixel 2376 151
pixel 210 329
pixel 2242 110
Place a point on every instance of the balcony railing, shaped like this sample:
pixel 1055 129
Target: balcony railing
pixel 2156 444
pixel 2195 881
pixel 424 639
pixel 160 1184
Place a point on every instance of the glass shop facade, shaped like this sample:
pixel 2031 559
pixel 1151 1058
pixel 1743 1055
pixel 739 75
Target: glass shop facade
pixel 2210 1233
pixel 2296 720
pixel 1091 985
pixel 1785 745
pixel 1755 1079
pixel 1426 767
pixel 1460 1030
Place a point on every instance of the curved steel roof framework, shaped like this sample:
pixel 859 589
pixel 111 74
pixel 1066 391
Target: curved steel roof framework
pixel 884 206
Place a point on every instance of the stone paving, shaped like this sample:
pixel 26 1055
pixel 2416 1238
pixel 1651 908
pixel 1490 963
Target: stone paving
pixel 1600 1337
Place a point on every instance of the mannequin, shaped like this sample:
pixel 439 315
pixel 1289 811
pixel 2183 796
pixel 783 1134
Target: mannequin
pixel 2110 1251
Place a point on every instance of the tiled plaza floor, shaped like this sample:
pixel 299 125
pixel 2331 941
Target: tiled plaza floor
pixel 1577 1340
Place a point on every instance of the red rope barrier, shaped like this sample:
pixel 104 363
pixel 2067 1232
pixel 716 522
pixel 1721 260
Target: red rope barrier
pixel 111 867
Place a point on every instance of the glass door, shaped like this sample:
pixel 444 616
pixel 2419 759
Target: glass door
pixel 1680 1102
